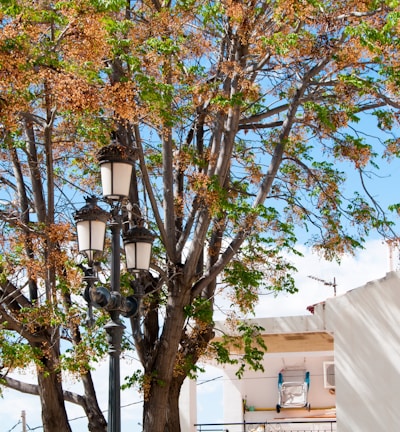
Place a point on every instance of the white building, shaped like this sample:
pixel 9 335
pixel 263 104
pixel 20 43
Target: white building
pixel 355 335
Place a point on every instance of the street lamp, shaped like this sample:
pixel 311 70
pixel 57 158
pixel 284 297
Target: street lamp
pixel 116 164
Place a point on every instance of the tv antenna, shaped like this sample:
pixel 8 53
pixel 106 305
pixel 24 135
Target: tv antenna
pixel 332 284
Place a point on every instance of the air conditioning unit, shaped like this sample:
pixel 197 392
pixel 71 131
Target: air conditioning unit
pixel 329 374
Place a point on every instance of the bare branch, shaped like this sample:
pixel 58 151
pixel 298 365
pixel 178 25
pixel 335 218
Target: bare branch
pixel 33 389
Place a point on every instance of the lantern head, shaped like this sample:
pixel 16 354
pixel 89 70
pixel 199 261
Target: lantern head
pixel 116 164
pixel 91 227
pixel 138 241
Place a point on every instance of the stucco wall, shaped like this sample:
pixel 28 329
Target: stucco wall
pixel 260 389
pixel 187 406
pixel 366 325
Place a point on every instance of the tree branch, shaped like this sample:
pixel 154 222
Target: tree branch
pixel 33 389
pixel 148 186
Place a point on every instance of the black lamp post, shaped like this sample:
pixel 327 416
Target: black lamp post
pixel 116 164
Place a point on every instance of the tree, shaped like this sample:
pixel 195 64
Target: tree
pixel 38 277
pixel 245 116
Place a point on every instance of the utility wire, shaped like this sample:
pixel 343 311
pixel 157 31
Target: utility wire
pixel 14 426
pixel 73 419
pixel 210 380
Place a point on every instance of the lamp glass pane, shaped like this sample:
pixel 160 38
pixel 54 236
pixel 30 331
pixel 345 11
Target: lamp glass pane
pixel 116 179
pixel 83 230
pixel 91 235
pixel 143 256
pixel 98 234
pixel 138 255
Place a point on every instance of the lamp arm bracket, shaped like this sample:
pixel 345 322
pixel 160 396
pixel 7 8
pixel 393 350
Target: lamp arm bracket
pixel 102 298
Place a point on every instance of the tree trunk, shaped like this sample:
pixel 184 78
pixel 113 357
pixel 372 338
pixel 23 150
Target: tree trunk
pixel 160 373
pixel 96 420
pixel 54 415
pixel 154 409
pixel 161 410
pixel 173 418
pixel 193 349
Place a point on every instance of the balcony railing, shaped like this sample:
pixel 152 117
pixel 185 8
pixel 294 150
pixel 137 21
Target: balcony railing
pixel 283 426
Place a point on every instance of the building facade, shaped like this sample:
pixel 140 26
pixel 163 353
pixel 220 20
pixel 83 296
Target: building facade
pixel 340 363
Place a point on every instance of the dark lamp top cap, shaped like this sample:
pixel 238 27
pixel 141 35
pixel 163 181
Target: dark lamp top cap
pixel 138 234
pixel 91 211
pixel 116 153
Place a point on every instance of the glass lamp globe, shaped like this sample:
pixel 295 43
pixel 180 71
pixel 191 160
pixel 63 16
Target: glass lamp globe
pixel 91 227
pixel 116 164
pixel 138 241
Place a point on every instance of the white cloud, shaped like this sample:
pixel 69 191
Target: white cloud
pixel 353 271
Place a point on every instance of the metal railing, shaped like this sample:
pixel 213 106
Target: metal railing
pixel 283 426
